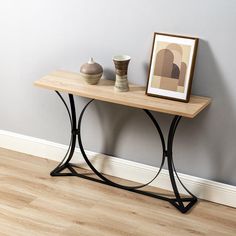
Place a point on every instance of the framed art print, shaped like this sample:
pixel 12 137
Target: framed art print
pixel 172 66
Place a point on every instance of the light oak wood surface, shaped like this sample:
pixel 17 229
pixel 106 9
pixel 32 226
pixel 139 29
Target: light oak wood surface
pixel 34 204
pixel 69 82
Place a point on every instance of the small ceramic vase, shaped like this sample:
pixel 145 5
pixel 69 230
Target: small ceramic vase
pixel 121 64
pixel 91 71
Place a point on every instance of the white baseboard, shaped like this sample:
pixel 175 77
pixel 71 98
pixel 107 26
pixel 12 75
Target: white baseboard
pixel 202 188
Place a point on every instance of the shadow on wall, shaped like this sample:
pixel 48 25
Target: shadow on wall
pixel 112 125
pixel 109 74
pixel 216 125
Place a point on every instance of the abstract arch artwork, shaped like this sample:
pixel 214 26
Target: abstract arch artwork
pixel 172 64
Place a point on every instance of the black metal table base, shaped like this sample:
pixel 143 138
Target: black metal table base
pixel 183 204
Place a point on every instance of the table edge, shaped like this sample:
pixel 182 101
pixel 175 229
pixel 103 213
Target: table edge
pixel 192 115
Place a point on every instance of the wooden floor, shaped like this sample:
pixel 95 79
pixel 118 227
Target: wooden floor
pixel 34 204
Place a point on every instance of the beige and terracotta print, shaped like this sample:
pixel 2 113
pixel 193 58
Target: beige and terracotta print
pixel 170 66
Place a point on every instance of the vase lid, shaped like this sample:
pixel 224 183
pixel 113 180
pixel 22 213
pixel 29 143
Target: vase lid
pixel 91 61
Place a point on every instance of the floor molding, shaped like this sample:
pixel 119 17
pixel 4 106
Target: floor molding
pixel 203 188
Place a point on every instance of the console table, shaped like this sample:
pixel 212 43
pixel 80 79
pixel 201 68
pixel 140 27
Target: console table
pixel 73 84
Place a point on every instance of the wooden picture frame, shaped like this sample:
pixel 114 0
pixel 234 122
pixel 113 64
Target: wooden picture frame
pixel 172 66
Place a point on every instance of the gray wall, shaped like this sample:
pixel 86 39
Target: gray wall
pixel 43 35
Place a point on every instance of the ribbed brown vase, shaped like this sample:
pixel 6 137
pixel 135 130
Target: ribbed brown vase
pixel 121 64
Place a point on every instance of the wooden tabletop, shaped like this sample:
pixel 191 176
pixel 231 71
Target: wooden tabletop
pixel 72 83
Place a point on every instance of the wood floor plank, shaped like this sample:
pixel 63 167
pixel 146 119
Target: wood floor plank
pixel 34 203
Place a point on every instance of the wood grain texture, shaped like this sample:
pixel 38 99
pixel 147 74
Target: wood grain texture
pixel 73 83
pixel 33 203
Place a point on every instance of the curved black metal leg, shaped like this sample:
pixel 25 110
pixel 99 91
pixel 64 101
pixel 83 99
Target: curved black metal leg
pixel 178 202
pixel 69 154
